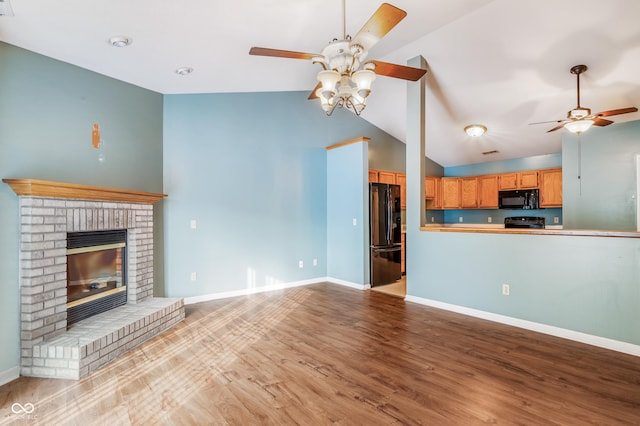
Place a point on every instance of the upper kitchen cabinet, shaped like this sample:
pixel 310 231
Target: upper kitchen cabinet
pixel 401 179
pixel 488 192
pixel 551 188
pixel 386 177
pixel 469 192
pixel 451 193
pixel 518 180
pixel 433 192
pixel 373 175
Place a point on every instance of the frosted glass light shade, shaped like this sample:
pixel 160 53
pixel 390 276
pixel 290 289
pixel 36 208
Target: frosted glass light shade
pixel 578 126
pixel 363 80
pixel 329 79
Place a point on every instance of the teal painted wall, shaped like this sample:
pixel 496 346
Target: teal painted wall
pixel 47 109
pixel 252 170
pixel 346 244
pixel 605 196
pixel 585 284
pixel 536 162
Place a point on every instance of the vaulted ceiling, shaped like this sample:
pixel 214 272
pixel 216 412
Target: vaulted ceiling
pixel 501 63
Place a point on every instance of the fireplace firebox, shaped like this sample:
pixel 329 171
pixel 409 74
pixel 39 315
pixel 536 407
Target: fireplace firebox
pixel 96 273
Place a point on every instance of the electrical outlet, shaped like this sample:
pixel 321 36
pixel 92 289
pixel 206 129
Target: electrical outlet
pixel 506 290
pixel 194 224
pixel 460 219
pixel 556 219
pixel 300 264
pixel 315 262
pixel 489 219
pixel 194 276
pixel 355 222
pixel 433 219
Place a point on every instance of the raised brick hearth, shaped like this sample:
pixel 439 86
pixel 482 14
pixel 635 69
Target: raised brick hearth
pixel 48 347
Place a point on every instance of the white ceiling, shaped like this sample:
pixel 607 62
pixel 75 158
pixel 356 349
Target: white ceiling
pixel 502 63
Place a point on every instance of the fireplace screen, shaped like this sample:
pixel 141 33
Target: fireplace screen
pixel 96 273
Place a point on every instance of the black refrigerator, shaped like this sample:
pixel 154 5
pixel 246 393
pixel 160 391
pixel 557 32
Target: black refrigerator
pixel 385 232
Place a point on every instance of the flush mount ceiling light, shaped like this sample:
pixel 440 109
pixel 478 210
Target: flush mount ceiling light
pixel 475 130
pixel 184 70
pixel 120 41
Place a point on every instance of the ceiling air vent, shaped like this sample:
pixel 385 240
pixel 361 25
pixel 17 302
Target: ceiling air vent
pixel 490 152
pixel 5 8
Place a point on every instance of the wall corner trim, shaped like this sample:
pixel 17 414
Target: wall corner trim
pixel 602 342
pixel 349 142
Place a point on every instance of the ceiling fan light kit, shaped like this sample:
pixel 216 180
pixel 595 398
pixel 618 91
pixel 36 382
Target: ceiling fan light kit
pixel 343 82
pixel 579 126
pixel 475 130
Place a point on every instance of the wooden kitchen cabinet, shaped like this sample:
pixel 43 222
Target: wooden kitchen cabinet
pixel 433 192
pixel 469 192
pixel 386 177
pixel 451 193
pixel 551 188
pixel 373 175
pixel 488 192
pixel 528 179
pixel 518 180
pixel 401 179
pixel 430 187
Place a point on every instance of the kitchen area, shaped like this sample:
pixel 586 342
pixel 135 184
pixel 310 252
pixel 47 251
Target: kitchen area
pixel 526 199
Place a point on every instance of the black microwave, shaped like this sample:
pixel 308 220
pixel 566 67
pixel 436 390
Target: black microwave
pixel 523 199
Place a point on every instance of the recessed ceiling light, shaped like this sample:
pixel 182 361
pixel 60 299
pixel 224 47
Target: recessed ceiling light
pixel 475 130
pixel 120 41
pixel 184 71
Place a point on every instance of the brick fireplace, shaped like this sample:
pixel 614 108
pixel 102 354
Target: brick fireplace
pixel 49 211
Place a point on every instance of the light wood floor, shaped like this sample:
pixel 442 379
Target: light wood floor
pixel 398 288
pixel 326 354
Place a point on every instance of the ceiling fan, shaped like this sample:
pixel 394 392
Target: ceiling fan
pixel 345 79
pixel 580 119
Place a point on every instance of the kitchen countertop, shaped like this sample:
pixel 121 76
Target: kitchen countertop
pixel 498 229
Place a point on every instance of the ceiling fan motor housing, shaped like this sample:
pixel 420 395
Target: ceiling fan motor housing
pixel 339 56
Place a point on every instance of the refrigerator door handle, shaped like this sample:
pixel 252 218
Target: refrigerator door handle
pixel 389 215
pixel 386 250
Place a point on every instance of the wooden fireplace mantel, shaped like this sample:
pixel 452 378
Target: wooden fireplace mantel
pixel 45 188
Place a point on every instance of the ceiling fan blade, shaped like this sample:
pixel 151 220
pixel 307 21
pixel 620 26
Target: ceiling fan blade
pixel 601 122
pixel 313 94
pixel 380 23
pixel 264 51
pixel 397 71
pixel 616 112
pixel 545 122
pixel 556 128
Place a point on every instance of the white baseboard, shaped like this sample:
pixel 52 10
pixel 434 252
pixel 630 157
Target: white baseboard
pixel 577 336
pixel 254 290
pixel 348 283
pixel 9 375
pixel 248 291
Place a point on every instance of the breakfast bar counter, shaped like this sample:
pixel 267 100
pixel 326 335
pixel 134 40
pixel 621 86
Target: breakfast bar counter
pixel 530 231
